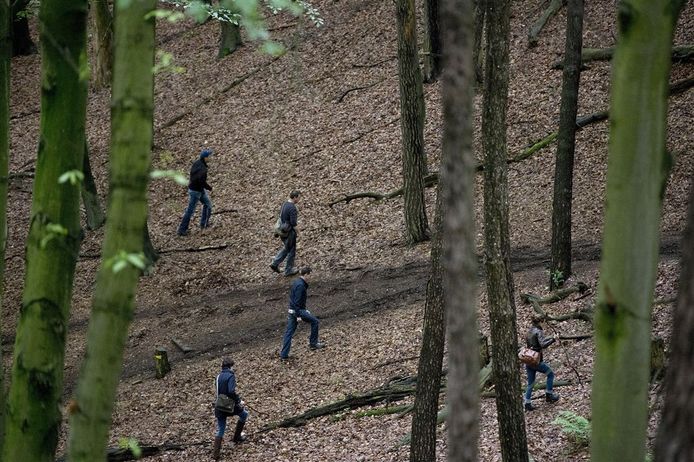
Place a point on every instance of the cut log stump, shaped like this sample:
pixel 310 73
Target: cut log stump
pixel 161 362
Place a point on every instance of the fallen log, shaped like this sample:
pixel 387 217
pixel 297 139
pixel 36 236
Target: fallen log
pixel 555 296
pixel 536 386
pixel 552 9
pixel 680 53
pixel 181 346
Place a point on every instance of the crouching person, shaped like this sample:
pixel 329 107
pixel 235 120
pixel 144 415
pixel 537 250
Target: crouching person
pixel 225 384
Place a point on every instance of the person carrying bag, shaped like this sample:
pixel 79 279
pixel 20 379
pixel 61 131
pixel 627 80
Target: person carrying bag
pixel 227 403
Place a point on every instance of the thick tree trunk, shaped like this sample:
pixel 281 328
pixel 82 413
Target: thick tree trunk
pixel 112 307
pixel 229 39
pixel 21 38
pixel 411 124
pixel 33 414
pixel 478 46
pixel 432 41
pixel 5 54
pixel 90 195
pixel 560 266
pixel 459 254
pixel 102 23
pixel 637 173
pixel 502 309
pixel 675 441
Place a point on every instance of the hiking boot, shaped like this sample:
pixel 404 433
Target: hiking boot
pixel 274 268
pixel 317 346
pixel 239 436
pixel 291 272
pixel 529 407
pixel 551 397
pixel 182 233
pixel 216 447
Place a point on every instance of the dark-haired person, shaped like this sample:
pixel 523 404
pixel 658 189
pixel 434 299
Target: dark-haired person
pixel 196 193
pixel 225 384
pixel 297 310
pixel 537 341
pixel 288 214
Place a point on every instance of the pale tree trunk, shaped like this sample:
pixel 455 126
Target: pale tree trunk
pixel 112 308
pixel 33 413
pixel 432 41
pixel 102 24
pixel 478 48
pixel 90 195
pixel 636 177
pixel 675 441
pixel 502 309
pixel 459 256
pixel 411 124
pixel 564 166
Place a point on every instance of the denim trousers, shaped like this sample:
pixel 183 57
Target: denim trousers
pixel 291 328
pixel 222 421
pixel 532 372
pixel 193 198
pixel 288 251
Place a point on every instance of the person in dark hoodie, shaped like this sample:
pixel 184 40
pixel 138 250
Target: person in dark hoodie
pixel 289 215
pixel 196 193
pixel 225 383
pixel 537 341
pixel 298 311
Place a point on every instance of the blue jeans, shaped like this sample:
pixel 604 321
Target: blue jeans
pixel 291 328
pixel 222 421
pixel 193 198
pixel 532 372
pixel 288 252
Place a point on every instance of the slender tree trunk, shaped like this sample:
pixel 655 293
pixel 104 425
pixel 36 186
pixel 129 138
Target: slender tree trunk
pixel 432 41
pixel 112 311
pixel 5 54
pixel 151 254
pixel 564 166
pixel 21 39
pixel 459 254
pixel 675 441
pixel 636 177
pixel 411 124
pixel 90 195
pixel 33 414
pixel 102 23
pixel 478 47
pixel 502 309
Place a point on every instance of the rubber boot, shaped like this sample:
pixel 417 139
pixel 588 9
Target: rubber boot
pixel 238 435
pixel 217 447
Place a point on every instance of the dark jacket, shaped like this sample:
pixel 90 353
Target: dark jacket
pixel 226 384
pixel 289 214
pixel 297 295
pixel 198 176
pixel 537 341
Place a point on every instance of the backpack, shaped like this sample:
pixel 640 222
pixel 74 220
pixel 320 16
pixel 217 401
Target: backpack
pixel 281 228
pixel 529 356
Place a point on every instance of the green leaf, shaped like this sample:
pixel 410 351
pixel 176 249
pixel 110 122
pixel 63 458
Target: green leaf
pixel 137 260
pixel 119 265
pixel 170 15
pixel 73 176
pixel 177 176
pixel 198 11
pixel 274 48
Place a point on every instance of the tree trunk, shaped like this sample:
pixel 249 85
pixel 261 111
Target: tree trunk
pixel 478 47
pixel 411 124
pixel 564 167
pixel 112 307
pixel 432 41
pixel 5 54
pixel 102 23
pixel 675 440
pixel 230 34
pixel 459 254
pixel 502 309
pixel 90 195
pixel 151 254
pixel 33 414
pixel 21 38
pixel 637 173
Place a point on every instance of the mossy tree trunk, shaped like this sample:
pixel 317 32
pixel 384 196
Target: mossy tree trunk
pixel 564 166
pixel 112 308
pixel 459 253
pixel 230 34
pixel 102 23
pixel 411 124
pixel 636 176
pixel 432 41
pixel 33 414
pixel 502 309
pixel 90 195
pixel 480 8
pixel 21 38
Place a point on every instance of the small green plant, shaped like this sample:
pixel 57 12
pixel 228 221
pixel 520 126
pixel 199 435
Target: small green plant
pixel 178 177
pixel 73 176
pixel 122 259
pixel 132 444
pixel 166 158
pixel 53 231
pixel 165 63
pixel 575 427
pixel 557 278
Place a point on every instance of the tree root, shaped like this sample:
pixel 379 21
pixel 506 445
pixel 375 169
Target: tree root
pixel 680 53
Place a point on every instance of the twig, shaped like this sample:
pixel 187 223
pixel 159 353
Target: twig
pixel 349 90
pixel 377 63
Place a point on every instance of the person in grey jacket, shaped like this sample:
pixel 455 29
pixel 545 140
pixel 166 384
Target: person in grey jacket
pixel 537 341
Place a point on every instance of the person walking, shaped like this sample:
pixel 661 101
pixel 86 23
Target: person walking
pixel 537 341
pixel 225 384
pixel 297 310
pixel 196 193
pixel 289 214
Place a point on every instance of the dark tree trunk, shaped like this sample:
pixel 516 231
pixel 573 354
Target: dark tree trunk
pixel 502 309
pixel 459 254
pixel 477 48
pixel 411 124
pixel 432 41
pixel 21 38
pixel 90 195
pixel 102 23
pixel 150 252
pixel 560 267
pixel 5 54
pixel 229 39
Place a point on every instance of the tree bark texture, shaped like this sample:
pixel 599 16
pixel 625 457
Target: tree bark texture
pixel 411 124
pixel 478 47
pixel 636 176
pixel 502 310
pixel 102 23
pixel 675 440
pixel 5 55
pixel 33 415
pixel 90 195
pixel 230 34
pixel 566 146
pixel 112 307
pixel 459 254
pixel 21 38
pixel 432 41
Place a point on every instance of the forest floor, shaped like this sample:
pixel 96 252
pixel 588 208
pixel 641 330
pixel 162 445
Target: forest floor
pixel 324 119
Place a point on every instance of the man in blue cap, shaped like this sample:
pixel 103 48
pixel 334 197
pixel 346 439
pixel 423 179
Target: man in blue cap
pixel 196 193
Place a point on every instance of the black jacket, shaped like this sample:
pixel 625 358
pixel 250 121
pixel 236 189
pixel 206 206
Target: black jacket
pixel 537 341
pixel 289 214
pixel 198 176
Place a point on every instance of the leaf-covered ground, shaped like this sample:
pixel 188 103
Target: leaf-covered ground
pixel 277 124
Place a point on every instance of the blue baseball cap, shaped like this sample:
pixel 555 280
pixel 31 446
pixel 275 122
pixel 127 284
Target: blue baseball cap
pixel 206 153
